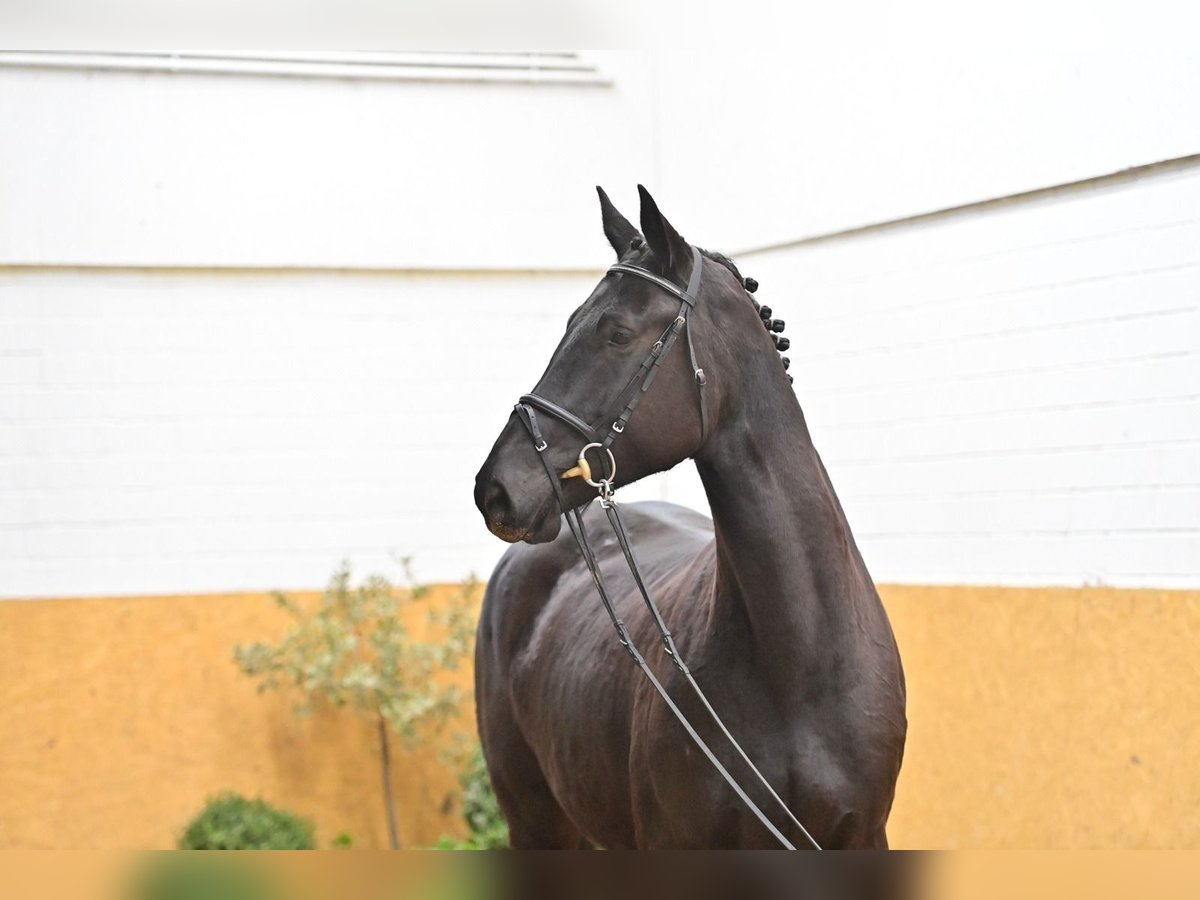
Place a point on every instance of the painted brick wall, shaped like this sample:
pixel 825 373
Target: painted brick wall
pixel 1008 396
pixel 169 432
pixel 1011 395
pixel 1003 395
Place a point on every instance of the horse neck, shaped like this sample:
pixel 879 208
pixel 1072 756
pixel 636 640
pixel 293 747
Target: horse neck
pixel 788 569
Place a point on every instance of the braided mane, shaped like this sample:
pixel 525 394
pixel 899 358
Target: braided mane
pixel 775 326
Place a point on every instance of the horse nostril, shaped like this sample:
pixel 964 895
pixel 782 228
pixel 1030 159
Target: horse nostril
pixel 494 501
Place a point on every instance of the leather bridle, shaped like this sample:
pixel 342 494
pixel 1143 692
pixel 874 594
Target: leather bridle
pixel 638 385
pixel 641 381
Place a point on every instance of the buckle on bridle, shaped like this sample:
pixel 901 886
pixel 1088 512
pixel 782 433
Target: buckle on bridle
pixel 606 493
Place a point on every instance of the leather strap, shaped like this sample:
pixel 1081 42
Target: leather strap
pixel 618 527
pixel 645 377
pixel 563 415
pixel 688 296
pixel 581 538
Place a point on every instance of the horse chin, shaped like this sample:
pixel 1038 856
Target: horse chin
pixel 544 529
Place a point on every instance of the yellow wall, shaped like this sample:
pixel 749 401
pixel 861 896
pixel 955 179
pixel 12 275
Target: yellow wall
pixel 124 715
pixel 1049 717
pixel 1038 717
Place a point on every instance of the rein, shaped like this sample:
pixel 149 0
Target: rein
pixel 639 384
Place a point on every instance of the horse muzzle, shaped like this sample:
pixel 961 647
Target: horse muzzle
pixel 506 521
pixel 513 498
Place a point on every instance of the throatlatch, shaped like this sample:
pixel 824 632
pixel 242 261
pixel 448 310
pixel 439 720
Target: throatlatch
pixel 527 409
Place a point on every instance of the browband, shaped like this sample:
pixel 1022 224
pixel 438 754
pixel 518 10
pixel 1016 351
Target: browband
pixel 688 296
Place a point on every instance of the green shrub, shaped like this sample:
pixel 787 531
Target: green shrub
pixel 231 822
pixel 480 809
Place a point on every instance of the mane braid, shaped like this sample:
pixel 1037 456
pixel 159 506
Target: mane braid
pixel 781 343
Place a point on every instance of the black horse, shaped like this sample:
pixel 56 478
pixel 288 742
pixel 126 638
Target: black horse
pixel 770 602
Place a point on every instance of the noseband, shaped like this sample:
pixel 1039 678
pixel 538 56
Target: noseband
pixel 637 387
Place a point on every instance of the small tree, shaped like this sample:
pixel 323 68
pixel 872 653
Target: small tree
pixel 354 649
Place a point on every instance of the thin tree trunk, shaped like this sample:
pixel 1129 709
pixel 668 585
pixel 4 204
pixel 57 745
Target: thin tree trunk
pixel 386 758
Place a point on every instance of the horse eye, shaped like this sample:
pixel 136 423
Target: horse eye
pixel 620 338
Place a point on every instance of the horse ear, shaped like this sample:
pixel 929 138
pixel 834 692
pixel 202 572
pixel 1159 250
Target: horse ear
pixel 669 248
pixel 618 229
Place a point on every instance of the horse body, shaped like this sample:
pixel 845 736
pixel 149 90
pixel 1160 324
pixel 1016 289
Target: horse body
pixel 770 604
pixel 570 702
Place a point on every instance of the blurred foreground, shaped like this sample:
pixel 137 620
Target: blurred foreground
pixel 432 876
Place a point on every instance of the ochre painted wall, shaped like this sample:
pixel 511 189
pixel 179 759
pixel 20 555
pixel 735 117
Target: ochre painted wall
pixel 1066 718
pixel 1037 718
pixel 126 714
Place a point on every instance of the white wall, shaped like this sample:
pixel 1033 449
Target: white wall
pixel 252 325
pixel 174 432
pixel 235 312
pixel 1010 395
pixel 760 146
pixel 120 168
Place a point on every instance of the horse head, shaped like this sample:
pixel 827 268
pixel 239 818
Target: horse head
pixel 616 357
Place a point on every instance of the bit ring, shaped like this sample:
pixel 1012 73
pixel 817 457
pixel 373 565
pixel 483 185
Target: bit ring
pixel 587 469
